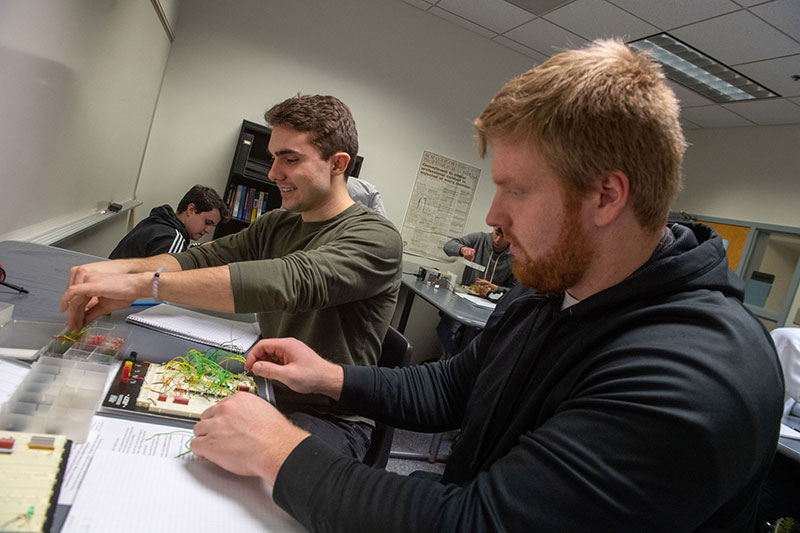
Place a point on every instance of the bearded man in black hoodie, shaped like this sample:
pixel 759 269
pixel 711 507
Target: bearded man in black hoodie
pixel 631 390
pixel 165 232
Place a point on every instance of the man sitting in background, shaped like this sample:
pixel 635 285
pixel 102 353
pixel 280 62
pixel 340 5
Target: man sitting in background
pixel 491 250
pixel 165 232
pixel 364 192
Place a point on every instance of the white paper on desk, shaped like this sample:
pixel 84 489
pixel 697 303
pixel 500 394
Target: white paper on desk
pixel 123 492
pixel 477 300
pixel 11 375
pixel 125 437
pixel 789 433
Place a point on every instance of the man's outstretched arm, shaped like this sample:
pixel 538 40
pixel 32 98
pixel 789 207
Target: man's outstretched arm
pixel 98 288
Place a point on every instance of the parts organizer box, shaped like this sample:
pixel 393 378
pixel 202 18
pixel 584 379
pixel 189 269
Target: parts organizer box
pixel 63 388
pixel 99 343
pixel 58 397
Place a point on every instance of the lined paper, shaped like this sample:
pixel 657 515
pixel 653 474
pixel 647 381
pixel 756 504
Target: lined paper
pixel 223 333
pixel 133 493
pixel 11 375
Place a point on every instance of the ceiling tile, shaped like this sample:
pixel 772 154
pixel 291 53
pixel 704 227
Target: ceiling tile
pixel 521 48
pixel 767 112
pixel 688 97
pixel 713 116
pixel 462 22
pixel 795 100
pixel 419 3
pixel 738 37
pixel 545 37
pixel 746 3
pixel 688 125
pixel 775 74
pixel 593 19
pixel 783 14
pixel 668 15
pixel 496 15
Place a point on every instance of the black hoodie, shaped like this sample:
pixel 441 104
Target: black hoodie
pixel 160 233
pixel 653 405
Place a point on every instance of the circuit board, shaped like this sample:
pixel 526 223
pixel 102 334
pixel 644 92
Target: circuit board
pixel 182 388
pixel 31 472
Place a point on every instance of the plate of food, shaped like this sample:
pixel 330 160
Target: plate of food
pixel 473 289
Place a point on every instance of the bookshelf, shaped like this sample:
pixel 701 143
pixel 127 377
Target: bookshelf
pixel 249 192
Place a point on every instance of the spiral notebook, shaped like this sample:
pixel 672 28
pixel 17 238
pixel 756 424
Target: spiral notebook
pixel 223 333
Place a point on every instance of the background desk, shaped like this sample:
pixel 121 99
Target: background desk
pixel 472 316
pixel 44 271
pixel 790 448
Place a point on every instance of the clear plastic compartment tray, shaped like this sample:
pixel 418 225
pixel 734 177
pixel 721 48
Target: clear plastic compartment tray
pixel 58 396
pixel 99 343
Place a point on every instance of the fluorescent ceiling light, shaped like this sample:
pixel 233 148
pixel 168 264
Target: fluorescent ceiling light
pixel 698 72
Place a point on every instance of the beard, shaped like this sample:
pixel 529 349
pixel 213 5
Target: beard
pixel 565 265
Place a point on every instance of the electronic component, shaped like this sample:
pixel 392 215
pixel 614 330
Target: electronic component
pixel 42 442
pixel 126 371
pixel 181 388
pixel 7 445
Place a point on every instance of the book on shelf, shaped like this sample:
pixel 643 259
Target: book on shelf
pixel 248 199
pixel 243 152
pixel 235 200
pixel 242 200
pixel 254 206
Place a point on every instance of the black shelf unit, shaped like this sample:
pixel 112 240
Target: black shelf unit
pixel 248 188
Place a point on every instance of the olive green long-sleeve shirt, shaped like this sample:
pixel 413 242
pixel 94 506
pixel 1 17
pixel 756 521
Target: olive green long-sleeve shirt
pixel 332 284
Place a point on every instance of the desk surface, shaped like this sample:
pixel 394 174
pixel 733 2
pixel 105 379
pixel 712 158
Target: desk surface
pixel 450 304
pixel 44 271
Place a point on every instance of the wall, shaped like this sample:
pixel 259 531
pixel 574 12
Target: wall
pixel 80 80
pixel 748 174
pixel 413 82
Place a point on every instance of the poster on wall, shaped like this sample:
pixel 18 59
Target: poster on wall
pixel 439 205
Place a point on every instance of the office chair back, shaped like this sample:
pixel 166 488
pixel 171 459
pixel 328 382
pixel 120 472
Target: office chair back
pixel 395 352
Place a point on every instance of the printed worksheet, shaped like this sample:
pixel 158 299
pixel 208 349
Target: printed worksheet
pixel 122 436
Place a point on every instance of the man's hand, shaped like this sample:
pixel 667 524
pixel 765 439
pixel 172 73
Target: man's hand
pixel 246 435
pixel 296 365
pixel 485 287
pixel 467 253
pixel 78 274
pixel 95 289
pixel 95 295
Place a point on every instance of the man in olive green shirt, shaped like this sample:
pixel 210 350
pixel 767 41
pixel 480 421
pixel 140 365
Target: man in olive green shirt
pixel 322 269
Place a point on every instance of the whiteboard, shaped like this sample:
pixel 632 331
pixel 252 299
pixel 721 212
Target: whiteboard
pixel 79 81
